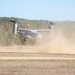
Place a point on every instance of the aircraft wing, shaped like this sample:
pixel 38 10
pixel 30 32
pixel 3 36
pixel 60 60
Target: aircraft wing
pixel 24 30
pixel 29 30
pixel 43 30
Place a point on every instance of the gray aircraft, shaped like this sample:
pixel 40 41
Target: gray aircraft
pixel 29 33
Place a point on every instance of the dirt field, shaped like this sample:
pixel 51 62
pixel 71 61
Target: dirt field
pixel 40 49
pixel 37 67
pixel 22 63
pixel 32 60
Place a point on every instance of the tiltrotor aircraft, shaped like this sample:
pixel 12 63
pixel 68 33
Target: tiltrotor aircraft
pixel 27 33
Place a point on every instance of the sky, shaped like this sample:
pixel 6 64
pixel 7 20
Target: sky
pixel 52 10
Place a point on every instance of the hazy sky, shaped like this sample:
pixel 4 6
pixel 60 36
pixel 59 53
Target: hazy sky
pixel 54 10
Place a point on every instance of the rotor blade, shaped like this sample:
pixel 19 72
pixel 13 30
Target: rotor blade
pixel 13 21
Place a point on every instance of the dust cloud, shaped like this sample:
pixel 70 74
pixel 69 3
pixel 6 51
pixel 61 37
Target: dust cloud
pixel 58 43
pixel 54 42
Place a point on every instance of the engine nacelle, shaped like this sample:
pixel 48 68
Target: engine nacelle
pixel 15 28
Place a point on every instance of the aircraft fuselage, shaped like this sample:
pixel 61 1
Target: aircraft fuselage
pixel 33 35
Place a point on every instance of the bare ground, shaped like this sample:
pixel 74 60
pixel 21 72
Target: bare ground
pixel 22 63
pixel 37 67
